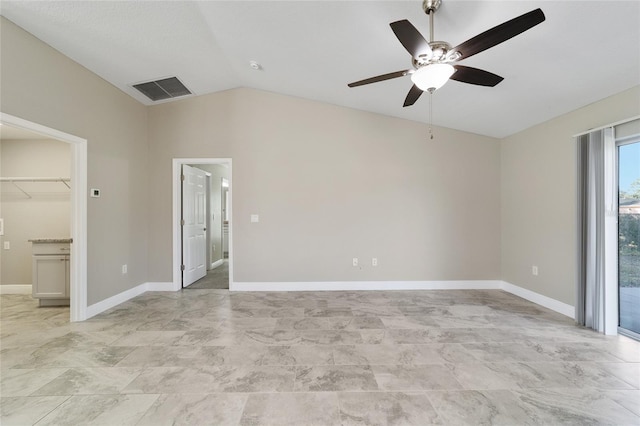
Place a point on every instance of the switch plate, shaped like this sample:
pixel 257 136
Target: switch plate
pixel 534 270
pixel 7 245
pixel 255 218
pixel 374 261
pixel 355 261
pixel 124 269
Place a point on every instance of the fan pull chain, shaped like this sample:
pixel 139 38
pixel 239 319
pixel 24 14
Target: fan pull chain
pixel 430 113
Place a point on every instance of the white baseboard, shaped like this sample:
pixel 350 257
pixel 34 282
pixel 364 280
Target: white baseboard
pixel 217 263
pixel 539 299
pixel 113 301
pixel 161 286
pixel 119 298
pixel 366 285
pixel 15 289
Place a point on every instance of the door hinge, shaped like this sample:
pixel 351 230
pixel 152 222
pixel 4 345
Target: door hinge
pixel 182 222
pixel 182 267
pixel 182 177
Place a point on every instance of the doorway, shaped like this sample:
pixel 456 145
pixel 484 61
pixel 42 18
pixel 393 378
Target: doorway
pixel 218 267
pixel 629 236
pixel 78 217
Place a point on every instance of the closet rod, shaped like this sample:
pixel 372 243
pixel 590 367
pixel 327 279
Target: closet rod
pixel 13 180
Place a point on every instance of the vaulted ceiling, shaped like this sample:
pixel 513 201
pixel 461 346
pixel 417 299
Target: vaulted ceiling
pixel 583 52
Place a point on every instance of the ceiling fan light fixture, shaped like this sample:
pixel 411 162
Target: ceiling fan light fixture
pixel 432 77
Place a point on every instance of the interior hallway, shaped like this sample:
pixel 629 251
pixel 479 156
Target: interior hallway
pixel 324 358
pixel 217 278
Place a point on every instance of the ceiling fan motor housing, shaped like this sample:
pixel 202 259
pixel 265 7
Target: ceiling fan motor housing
pixel 430 5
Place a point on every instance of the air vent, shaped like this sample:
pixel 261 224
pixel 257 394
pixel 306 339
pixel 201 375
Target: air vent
pixel 166 88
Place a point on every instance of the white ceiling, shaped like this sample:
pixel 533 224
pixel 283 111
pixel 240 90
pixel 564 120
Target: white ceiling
pixel 583 52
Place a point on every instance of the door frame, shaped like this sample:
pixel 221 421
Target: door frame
pixel 177 210
pixel 78 226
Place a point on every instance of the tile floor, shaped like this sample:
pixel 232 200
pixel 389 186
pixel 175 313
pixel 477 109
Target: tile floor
pixel 209 357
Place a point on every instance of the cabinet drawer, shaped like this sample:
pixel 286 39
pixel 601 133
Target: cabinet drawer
pixel 51 248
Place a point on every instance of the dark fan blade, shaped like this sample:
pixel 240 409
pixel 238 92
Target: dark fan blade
pixel 475 76
pixel 412 96
pixel 411 38
pixel 378 78
pixel 502 32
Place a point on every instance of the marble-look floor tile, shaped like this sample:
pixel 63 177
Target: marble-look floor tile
pixel 149 338
pixel 329 337
pixel 411 378
pixel 272 337
pixel 27 410
pixel 195 409
pixel 629 399
pixel 334 378
pixel 298 355
pixel 477 356
pixel 307 323
pixel 213 379
pixel 482 376
pixel 282 409
pixel 487 407
pixel 575 406
pixel 509 352
pixel 99 356
pixel 231 355
pixel 386 408
pixel 87 381
pixel 162 356
pixel 355 323
pixel 102 410
pixel 23 382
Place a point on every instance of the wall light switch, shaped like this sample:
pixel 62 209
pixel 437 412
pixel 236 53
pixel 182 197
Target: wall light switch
pixel 7 245
pixel 534 270
pixel 124 269
pixel 255 218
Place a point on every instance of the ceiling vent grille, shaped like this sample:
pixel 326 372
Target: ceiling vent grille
pixel 166 88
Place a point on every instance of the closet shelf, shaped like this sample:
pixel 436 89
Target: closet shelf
pixel 14 181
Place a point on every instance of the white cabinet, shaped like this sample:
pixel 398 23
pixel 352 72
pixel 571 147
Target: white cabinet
pixel 51 278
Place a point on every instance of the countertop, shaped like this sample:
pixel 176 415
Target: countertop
pixel 51 240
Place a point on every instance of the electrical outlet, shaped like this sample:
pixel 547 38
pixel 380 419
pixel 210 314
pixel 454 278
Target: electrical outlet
pixel 124 269
pixel 534 270
pixel 355 261
pixel 374 261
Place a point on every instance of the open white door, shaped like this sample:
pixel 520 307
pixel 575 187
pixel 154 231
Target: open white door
pixel 194 228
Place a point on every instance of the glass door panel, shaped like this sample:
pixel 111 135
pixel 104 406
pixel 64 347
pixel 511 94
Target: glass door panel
pixel 629 236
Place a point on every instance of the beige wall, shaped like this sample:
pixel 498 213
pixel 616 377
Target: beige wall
pixel 45 215
pixel 330 184
pixel 539 196
pixel 41 85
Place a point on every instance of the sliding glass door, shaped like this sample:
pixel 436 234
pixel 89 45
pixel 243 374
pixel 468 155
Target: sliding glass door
pixel 629 236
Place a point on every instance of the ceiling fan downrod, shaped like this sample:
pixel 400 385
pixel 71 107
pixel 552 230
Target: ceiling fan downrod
pixel 430 7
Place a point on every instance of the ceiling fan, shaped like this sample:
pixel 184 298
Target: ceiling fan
pixel 432 60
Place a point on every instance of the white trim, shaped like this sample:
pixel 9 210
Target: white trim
pixel 217 263
pixel 366 285
pixel 617 123
pixel 177 246
pixel 126 295
pixel 539 299
pixel 78 307
pixel 15 289
pixel 113 301
pixel 165 286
